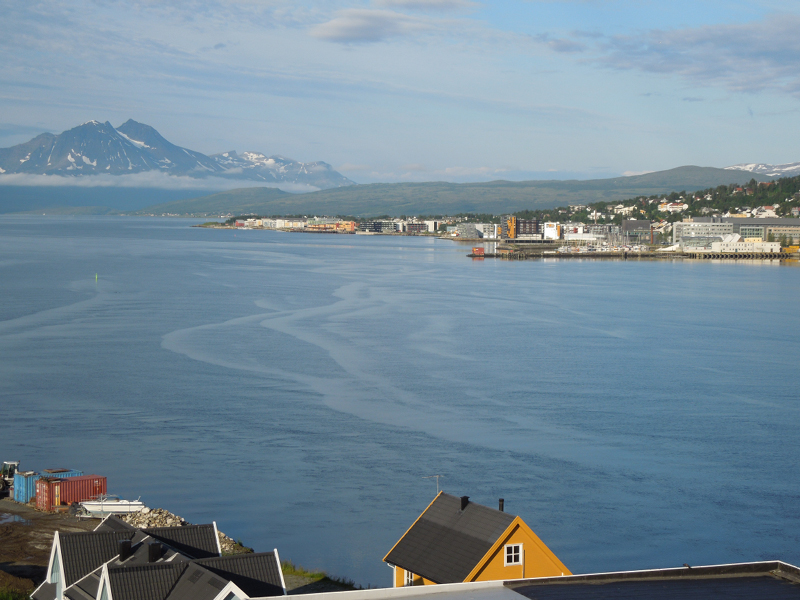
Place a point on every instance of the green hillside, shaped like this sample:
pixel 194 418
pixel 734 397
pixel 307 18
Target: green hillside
pixel 239 201
pixel 450 198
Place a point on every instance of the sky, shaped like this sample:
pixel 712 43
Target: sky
pixel 415 90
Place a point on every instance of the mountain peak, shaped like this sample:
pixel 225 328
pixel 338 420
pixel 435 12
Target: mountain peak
pixel 94 148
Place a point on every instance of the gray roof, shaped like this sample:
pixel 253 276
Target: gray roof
pixel 86 588
pixel 204 579
pixel 197 583
pixel 446 543
pixel 145 582
pixel 256 574
pixel 46 591
pixel 83 552
pixel 635 225
pixel 114 523
pixel 772 580
pixel 196 541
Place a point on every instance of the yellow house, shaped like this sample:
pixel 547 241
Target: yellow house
pixel 455 540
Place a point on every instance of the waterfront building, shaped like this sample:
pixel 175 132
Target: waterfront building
pixel 577 233
pixel 733 244
pixel 514 228
pixel 455 540
pixel 551 231
pixel 467 230
pixel 636 231
pixel 346 226
pixel 758 227
pixel 608 232
pixel 378 227
pixel 290 224
pixel 487 230
pixel 699 228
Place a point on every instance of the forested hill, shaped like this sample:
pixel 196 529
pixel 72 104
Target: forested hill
pixel 782 194
pixel 496 197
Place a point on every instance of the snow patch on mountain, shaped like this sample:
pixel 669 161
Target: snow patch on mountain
pixel 136 143
pixel 784 170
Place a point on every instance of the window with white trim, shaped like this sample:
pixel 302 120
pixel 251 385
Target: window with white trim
pixel 55 572
pixel 513 554
pixel 409 580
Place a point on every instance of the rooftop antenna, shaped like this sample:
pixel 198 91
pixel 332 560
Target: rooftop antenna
pixel 437 481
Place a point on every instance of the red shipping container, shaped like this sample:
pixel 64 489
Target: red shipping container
pixel 52 493
pixel 47 491
pixel 477 251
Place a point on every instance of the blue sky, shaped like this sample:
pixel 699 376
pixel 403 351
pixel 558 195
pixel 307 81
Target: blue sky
pixel 414 90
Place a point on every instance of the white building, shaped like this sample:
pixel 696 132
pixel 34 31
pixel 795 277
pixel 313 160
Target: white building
pixel 621 209
pixel 672 207
pixel 552 231
pixel 691 229
pixel 733 244
pixel 489 230
pixel 289 224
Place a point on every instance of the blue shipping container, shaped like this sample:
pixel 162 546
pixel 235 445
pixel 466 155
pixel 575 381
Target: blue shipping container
pixel 60 473
pixel 25 486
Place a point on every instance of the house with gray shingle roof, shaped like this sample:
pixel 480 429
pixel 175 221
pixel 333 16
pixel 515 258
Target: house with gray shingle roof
pixel 119 562
pixel 455 540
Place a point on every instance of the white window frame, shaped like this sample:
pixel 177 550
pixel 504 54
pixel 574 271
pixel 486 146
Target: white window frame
pixel 105 583
pixel 408 578
pixel 512 553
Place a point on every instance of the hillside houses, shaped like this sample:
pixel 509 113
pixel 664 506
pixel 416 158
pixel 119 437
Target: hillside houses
pixel 117 561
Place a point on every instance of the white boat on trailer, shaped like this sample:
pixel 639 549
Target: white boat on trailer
pixel 105 505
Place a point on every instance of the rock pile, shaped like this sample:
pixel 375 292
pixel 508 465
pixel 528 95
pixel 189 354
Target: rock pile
pixel 229 545
pixel 153 517
pixel 158 517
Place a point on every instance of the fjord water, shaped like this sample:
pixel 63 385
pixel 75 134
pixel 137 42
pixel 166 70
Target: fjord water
pixel 298 388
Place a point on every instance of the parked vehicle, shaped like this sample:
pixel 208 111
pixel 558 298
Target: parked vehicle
pixel 7 475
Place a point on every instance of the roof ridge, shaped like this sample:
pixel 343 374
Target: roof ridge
pixel 477 504
pixel 233 556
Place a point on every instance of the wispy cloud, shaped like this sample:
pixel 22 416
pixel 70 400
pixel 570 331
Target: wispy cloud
pixel 351 168
pixel 559 44
pixel 428 5
pixel 364 25
pixel 749 57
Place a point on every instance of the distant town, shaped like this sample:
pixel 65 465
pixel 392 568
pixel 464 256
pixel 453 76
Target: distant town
pixel 756 219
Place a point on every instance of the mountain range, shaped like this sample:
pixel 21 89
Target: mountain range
pixel 80 154
pixel 95 148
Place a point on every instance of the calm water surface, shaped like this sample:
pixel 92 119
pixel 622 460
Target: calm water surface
pixel 298 388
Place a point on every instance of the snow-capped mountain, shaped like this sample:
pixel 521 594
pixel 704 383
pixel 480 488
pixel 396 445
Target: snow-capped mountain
pixel 785 170
pixel 95 148
pixel 254 165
